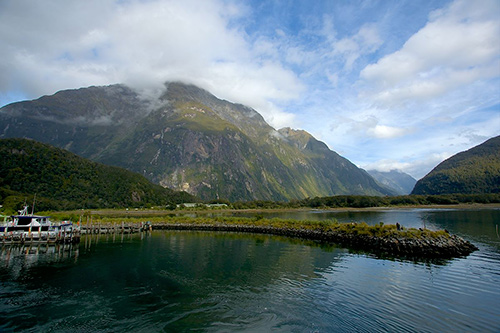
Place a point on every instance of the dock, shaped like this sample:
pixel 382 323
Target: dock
pixel 39 237
pixel 73 237
pixel 114 228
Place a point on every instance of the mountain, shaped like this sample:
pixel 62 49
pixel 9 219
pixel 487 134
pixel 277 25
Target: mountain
pixel 63 180
pixel 474 171
pixel 402 183
pixel 84 121
pixel 188 139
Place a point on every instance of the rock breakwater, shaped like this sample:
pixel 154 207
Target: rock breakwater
pixel 408 243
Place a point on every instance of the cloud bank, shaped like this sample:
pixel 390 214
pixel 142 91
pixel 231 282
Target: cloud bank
pixel 390 84
pixel 53 45
pixel 458 46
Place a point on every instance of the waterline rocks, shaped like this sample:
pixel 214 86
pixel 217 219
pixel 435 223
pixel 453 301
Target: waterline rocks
pixel 380 240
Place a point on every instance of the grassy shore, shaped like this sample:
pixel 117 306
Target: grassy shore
pixel 326 226
pixel 384 240
pixel 156 212
pixel 381 239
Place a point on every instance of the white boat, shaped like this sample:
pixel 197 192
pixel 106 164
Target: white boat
pixel 25 228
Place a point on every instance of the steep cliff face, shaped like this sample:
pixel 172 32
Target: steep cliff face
pixel 474 171
pixel 188 140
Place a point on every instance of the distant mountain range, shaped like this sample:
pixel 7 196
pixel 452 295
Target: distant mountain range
pixel 62 180
pixel 474 171
pixel 187 139
pixel 402 183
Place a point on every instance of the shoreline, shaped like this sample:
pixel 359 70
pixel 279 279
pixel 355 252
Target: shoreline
pixel 379 239
pixel 410 244
pixel 163 212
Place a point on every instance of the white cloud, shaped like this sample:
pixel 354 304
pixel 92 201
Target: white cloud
pixel 60 44
pixel 387 165
pixel 367 124
pixel 375 82
pixel 365 41
pixel 386 132
pixel 458 46
pixel 416 168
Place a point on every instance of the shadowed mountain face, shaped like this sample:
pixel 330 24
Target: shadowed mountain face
pixel 474 171
pixel 188 140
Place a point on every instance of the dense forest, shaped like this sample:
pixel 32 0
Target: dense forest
pixel 62 180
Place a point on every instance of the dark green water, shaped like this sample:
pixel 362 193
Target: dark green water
pixel 203 281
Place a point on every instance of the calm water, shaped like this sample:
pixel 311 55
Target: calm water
pixel 202 281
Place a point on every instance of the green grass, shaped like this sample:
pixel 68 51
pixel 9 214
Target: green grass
pixel 362 229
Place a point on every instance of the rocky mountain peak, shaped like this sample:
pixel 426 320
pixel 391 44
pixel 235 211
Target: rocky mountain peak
pixel 245 118
pixel 299 138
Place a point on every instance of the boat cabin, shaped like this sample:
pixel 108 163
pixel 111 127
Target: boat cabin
pixel 31 220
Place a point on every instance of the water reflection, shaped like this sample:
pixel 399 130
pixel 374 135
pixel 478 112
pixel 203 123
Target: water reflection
pixel 91 240
pixel 479 225
pixel 16 259
pixel 241 259
pixel 207 281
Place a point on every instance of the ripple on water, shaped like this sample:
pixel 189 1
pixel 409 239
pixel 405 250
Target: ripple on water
pixel 234 282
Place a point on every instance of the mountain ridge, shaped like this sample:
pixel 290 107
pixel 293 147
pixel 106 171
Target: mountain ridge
pixel 473 171
pixel 190 140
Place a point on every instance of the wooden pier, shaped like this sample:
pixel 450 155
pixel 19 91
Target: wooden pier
pixel 114 228
pixel 36 236
pixel 60 237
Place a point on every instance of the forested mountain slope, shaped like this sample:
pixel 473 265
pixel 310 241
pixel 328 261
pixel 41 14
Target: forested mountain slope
pixel 474 171
pixel 63 180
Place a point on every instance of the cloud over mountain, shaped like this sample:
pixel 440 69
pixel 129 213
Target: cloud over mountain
pixel 374 80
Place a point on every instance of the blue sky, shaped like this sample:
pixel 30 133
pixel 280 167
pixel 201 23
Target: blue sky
pixel 387 84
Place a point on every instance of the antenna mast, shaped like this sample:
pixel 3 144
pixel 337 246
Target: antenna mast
pixel 33 208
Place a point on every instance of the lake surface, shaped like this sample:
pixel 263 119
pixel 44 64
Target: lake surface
pixel 205 281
